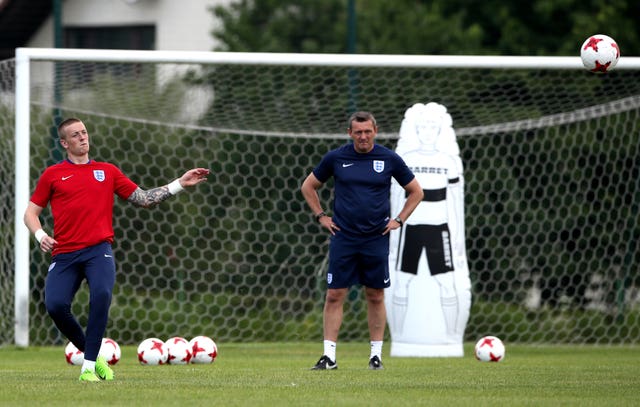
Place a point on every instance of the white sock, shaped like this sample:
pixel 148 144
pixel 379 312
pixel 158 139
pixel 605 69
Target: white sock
pixel 330 349
pixel 88 365
pixel 376 349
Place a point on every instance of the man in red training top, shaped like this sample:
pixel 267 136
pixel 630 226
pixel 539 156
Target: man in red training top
pixel 81 193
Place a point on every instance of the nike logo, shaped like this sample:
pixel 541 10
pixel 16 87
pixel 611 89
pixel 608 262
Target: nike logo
pixel 66 178
pixel 386 280
pixel 108 255
pixel 347 165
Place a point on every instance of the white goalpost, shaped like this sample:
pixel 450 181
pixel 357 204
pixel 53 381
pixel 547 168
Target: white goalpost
pixel 540 137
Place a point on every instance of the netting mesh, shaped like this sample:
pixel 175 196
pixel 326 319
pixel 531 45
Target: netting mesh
pixel 7 163
pixel 551 163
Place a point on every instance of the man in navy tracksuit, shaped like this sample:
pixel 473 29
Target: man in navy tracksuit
pixel 359 227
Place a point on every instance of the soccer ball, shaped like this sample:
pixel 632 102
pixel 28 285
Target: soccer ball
pixel 599 53
pixel 489 349
pixel 203 350
pixel 178 350
pixel 152 351
pixel 73 355
pixel 110 350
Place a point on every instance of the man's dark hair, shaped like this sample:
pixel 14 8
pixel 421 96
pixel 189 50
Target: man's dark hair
pixel 361 117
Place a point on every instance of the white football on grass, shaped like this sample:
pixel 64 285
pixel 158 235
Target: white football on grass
pixel 203 349
pixel 178 350
pixel 73 355
pixel 110 350
pixel 152 351
pixel 490 349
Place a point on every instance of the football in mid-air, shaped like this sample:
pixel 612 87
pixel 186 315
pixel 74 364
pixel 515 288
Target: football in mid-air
pixel 178 350
pixel 600 53
pixel 73 355
pixel 152 351
pixel 203 350
pixel 489 349
pixel 110 350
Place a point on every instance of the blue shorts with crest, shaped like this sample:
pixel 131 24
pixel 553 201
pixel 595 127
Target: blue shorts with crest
pixel 358 260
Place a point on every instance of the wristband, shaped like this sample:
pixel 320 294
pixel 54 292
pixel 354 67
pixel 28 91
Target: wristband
pixel 175 187
pixel 40 234
pixel 318 216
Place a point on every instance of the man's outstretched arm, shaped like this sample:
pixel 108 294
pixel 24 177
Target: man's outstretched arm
pixel 151 197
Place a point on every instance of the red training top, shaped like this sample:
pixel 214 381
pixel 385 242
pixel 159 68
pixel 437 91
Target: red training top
pixel 81 197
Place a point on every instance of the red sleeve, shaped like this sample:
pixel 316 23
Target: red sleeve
pixel 123 186
pixel 42 194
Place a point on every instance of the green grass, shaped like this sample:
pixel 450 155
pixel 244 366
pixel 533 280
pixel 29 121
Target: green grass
pixel 268 374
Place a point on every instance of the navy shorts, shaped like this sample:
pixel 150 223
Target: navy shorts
pixel 358 260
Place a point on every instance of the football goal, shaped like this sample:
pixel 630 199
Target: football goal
pixel 552 187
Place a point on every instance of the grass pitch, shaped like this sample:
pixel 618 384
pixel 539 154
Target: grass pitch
pixel 277 374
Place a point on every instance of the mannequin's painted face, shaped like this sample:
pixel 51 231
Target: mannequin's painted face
pixel 428 132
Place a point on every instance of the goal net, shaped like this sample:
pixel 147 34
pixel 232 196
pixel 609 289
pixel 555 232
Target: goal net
pixel 551 177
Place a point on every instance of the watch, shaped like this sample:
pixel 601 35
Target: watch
pixel 397 219
pixel 318 216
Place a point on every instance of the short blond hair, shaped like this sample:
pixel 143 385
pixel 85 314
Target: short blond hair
pixel 65 123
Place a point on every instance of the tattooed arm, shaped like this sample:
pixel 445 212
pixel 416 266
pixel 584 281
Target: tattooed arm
pixel 152 197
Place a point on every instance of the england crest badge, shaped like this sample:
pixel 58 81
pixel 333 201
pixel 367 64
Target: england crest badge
pixel 98 175
pixel 378 166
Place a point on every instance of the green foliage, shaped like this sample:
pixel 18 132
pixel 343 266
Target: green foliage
pixel 293 26
pixel 439 27
pixel 7 196
pixel 278 318
pixel 562 324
